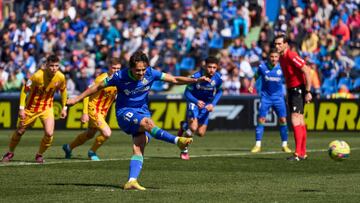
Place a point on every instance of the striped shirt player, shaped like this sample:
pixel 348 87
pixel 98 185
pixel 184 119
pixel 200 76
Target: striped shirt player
pixel 272 96
pixel 298 81
pixel 36 101
pixel 95 109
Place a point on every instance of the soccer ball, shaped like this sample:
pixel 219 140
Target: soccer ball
pixel 339 150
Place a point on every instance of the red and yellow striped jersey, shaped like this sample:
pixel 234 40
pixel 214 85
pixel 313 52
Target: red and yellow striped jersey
pixel 42 89
pixel 101 101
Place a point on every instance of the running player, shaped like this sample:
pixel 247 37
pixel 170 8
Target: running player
pixel 201 99
pixel 95 110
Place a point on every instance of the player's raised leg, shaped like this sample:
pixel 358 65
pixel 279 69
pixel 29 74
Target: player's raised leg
pixel 105 133
pixel 79 140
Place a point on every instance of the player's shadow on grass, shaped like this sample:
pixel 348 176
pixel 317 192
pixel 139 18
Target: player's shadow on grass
pixel 86 185
pixel 263 158
pixel 228 150
pixel 72 158
pixel 96 185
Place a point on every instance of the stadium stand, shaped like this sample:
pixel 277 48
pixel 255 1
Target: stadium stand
pixel 86 33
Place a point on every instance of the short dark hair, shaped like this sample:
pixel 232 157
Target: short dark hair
pixel 273 50
pixel 281 36
pixel 138 56
pixel 52 59
pixel 212 59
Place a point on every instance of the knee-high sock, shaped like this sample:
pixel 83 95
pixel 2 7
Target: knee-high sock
pixel 136 163
pixel 99 140
pixel 184 126
pixel 79 140
pixel 161 134
pixel 298 135
pixel 45 143
pixel 259 131
pixel 283 132
pixel 303 146
pixel 14 141
pixel 186 129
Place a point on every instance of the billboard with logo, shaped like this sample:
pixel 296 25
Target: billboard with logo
pixel 232 113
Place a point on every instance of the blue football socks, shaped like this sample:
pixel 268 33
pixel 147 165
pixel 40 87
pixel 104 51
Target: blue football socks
pixel 136 163
pixel 161 134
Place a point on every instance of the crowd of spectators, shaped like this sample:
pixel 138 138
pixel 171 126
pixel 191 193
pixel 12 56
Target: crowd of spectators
pixel 177 35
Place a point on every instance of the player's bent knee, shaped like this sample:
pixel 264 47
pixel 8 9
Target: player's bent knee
pixel 201 134
pixel 261 120
pixel 49 134
pixel 193 128
pixel 147 124
pixel 282 120
pixel 107 133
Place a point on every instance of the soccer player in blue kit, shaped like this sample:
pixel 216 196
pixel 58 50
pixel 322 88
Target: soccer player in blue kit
pixel 133 85
pixel 201 99
pixel 272 96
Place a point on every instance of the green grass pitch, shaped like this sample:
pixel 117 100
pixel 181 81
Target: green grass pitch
pixel 221 169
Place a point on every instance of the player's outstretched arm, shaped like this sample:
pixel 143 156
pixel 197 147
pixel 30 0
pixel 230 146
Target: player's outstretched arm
pixel 180 80
pixel 91 90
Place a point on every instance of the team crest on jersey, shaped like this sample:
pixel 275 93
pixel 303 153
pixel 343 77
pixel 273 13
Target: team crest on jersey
pixel 278 72
pixel 213 83
pixel 127 92
pixel 109 77
pixel 135 121
pixel 197 86
pixel 28 83
pixel 145 81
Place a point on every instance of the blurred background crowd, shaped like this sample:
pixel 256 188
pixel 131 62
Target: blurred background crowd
pixel 177 35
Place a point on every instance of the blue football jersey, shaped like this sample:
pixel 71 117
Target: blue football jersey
pixel 131 92
pixel 208 92
pixel 271 80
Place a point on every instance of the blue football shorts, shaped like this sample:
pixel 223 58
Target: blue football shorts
pixel 193 111
pixel 277 103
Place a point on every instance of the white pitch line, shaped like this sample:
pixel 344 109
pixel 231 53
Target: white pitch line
pixel 150 157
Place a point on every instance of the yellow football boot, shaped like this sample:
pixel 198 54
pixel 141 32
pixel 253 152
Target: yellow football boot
pixel 286 149
pixel 183 142
pixel 256 149
pixel 133 185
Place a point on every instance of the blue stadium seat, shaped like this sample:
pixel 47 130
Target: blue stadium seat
pixel 157 86
pixel 356 83
pixel 217 42
pixel 328 86
pixel 345 81
pixel 187 63
pixel 357 62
